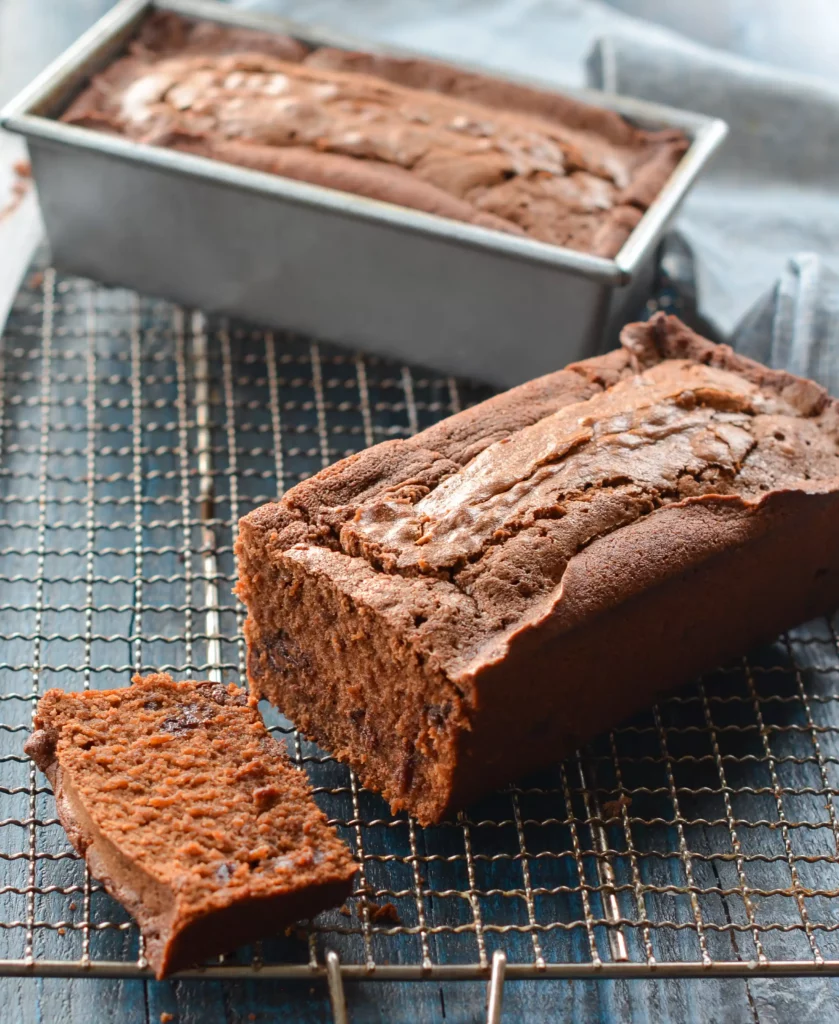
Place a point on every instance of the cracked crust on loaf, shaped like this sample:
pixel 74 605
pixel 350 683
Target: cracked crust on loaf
pixel 449 611
pixel 412 132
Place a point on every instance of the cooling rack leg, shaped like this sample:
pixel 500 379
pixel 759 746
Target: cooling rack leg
pixel 336 988
pixel 496 987
pixel 611 907
pixel 203 418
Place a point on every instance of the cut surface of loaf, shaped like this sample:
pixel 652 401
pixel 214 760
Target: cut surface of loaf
pixel 447 612
pixel 189 813
pixel 411 132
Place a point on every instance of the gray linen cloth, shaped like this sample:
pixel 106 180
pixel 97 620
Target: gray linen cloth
pixel 772 192
pixel 796 326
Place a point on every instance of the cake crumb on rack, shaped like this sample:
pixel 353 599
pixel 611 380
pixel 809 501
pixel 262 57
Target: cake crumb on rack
pixel 613 808
pixel 384 912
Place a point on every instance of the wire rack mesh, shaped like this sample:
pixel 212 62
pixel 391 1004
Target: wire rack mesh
pixel 700 838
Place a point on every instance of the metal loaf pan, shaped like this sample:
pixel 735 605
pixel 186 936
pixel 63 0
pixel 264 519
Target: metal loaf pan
pixel 394 281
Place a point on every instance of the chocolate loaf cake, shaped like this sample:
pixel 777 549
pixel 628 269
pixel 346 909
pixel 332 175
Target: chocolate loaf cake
pixel 411 132
pixel 189 813
pixel 448 612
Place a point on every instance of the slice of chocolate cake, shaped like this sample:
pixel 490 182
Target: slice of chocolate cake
pixel 189 813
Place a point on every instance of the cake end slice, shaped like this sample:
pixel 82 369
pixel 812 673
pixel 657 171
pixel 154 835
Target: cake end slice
pixel 189 813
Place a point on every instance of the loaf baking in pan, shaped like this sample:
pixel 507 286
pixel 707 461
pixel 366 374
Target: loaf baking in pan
pixel 448 612
pixel 410 132
pixel 189 813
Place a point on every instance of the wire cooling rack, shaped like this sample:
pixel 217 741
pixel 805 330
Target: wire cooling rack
pixel 701 839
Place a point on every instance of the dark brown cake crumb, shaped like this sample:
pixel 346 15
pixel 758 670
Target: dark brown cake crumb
pixel 19 188
pixel 386 912
pixel 614 808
